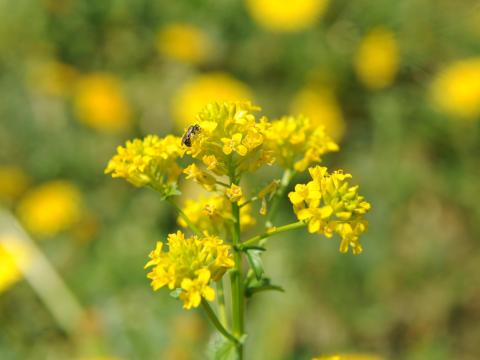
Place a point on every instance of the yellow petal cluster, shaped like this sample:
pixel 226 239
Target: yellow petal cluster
pixel 51 207
pixel 99 103
pixel 456 90
pixel 330 205
pixel 214 214
pixel 377 58
pixel 190 264
pixel 296 143
pixel 183 42
pixel 203 89
pixel 148 162
pixel 230 140
pixel 286 15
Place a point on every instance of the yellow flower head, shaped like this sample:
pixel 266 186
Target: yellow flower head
pixel 377 58
pixel 321 107
pixel 456 90
pixel 13 182
pixel 296 143
pixel 190 264
pixel 234 193
pixel 100 103
pixel 214 214
pixel 148 162
pixel 50 208
pixel 13 256
pixel 183 42
pixel 203 89
pixel 286 15
pixel 329 204
pixel 230 140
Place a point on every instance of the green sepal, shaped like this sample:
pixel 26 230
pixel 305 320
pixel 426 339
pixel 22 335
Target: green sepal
pixel 176 293
pixel 255 262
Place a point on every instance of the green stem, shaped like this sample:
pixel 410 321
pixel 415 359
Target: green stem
pixel 213 318
pixel 284 183
pixel 273 231
pixel 184 216
pixel 237 285
pixel 221 303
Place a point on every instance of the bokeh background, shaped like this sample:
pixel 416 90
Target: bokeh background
pixel 396 83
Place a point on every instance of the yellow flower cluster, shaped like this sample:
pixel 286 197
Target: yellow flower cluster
pixel 296 143
pixel 377 58
pixel 330 205
pixel 13 182
pixel 214 214
pixel 190 264
pixel 456 90
pixel 230 140
pixel 51 207
pixel 148 162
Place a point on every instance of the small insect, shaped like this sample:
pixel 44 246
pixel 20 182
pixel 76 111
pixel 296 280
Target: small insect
pixel 187 138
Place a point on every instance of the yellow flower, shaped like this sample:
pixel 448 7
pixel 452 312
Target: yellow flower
pixel 100 103
pixel 328 204
pixel 148 162
pixel 190 264
pixel 200 177
pixel 296 143
pixel 53 78
pixel 13 182
pixel 50 208
pixel 214 214
pixel 13 257
pixel 194 290
pixel 184 42
pixel 230 140
pixel 203 89
pixel 321 106
pixel 456 90
pixel 234 193
pixel 377 58
pixel 286 15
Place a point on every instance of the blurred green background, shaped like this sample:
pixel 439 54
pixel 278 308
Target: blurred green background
pixel 396 83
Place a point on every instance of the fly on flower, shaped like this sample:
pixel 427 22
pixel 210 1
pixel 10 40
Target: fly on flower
pixel 191 131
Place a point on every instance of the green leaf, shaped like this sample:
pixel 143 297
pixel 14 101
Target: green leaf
pixel 263 285
pixel 220 348
pixel 253 247
pixel 256 262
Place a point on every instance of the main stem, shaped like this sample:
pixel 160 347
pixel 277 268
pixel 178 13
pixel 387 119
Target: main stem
pixel 237 286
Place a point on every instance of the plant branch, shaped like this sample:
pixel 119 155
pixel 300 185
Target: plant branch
pixel 218 325
pixel 273 231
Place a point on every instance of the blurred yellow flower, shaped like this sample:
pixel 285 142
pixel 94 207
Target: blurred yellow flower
pixel 456 90
pixel 51 208
pixel 13 256
pixel 286 15
pixel 322 107
pixel 349 357
pixel 377 58
pixel 53 78
pixel 100 103
pixel 183 42
pixel 13 182
pixel 203 89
